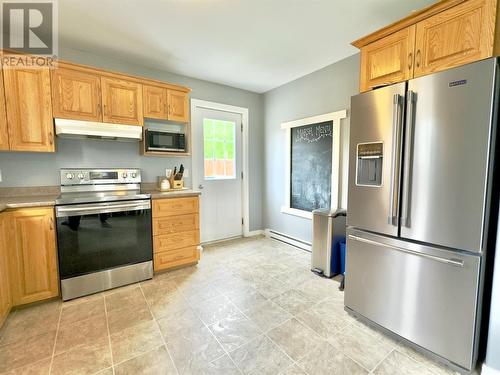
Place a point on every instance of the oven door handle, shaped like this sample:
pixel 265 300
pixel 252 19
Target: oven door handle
pixel 101 208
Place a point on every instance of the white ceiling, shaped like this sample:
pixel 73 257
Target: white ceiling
pixel 250 44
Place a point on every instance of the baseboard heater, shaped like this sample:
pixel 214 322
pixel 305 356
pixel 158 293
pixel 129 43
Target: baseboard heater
pixel 294 241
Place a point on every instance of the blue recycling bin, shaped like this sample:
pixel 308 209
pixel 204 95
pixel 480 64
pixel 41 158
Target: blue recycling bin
pixel 342 257
pixel 335 259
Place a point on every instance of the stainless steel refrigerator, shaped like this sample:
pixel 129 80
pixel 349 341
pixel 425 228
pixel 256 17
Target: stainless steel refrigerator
pixel 420 191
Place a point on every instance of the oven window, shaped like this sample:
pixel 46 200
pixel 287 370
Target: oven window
pixel 91 243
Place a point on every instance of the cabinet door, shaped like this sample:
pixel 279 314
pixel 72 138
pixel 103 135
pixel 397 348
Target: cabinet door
pixel 178 105
pixel 5 298
pixel 155 102
pixel 29 109
pixel 76 95
pixel 4 134
pixel 387 60
pixel 33 255
pixel 122 101
pixel 457 36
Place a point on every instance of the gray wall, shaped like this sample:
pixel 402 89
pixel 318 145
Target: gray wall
pixel 31 169
pixel 326 90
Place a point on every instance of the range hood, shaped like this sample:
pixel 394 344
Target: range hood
pixel 97 130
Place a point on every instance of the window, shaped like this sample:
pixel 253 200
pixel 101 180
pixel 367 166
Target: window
pixel 218 147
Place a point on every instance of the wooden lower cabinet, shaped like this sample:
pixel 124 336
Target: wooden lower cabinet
pixel 5 295
pixel 32 255
pixel 176 232
pixel 169 259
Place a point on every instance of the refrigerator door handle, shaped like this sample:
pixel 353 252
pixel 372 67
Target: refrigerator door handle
pixel 393 218
pixel 451 262
pixel 410 117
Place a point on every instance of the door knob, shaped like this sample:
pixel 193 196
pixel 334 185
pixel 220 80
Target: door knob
pixel 200 186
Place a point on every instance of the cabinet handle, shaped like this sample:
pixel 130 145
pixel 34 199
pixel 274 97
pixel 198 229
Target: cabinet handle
pixel 169 109
pixel 51 138
pixel 417 59
pixel 98 108
pixel 410 61
pixel 51 224
pixel 105 109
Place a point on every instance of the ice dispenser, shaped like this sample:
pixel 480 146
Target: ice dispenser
pixel 369 168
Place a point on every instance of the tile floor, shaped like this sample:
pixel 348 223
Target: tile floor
pixel 249 307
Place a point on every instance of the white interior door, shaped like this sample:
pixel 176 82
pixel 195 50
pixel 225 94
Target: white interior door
pixel 217 173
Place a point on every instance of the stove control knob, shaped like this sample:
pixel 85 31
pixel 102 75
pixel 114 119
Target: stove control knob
pixel 133 175
pixel 80 176
pixel 124 175
pixel 70 176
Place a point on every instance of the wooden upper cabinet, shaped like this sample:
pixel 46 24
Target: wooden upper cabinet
pixel 4 133
pixel 5 296
pixel 29 109
pixel 459 35
pixel 387 60
pixel 122 101
pixel 155 102
pixel 178 105
pixel 76 94
pixel 33 259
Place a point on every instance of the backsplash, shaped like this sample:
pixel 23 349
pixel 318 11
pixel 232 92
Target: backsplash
pixel 42 169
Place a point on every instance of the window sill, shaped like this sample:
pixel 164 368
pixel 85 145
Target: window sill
pixel 295 212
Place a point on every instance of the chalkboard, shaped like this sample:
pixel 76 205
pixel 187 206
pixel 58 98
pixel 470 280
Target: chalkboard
pixel 311 166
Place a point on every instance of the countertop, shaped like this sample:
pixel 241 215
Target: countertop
pixel 46 196
pixel 21 197
pixel 156 194
pixel 27 201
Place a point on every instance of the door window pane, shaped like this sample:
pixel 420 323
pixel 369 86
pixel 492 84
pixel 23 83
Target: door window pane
pixel 219 149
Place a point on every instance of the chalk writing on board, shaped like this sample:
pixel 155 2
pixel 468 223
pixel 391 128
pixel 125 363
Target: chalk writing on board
pixel 311 166
pixel 311 134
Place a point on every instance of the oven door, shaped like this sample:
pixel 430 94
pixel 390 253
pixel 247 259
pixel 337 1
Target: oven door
pixel 100 236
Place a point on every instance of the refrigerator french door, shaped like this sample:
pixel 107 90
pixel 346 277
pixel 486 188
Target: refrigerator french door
pixel 420 179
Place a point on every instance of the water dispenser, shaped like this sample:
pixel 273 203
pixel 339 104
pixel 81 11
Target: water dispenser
pixel 369 168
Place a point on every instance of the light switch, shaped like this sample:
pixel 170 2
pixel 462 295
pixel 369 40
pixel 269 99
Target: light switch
pixel 186 172
pixel 0 175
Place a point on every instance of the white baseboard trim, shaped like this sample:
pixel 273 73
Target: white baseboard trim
pixel 486 370
pixel 294 241
pixel 254 233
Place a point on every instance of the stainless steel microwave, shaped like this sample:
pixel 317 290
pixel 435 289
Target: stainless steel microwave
pixel 158 140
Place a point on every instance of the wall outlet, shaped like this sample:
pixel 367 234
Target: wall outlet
pixel 186 172
pixel 168 172
pixel 0 175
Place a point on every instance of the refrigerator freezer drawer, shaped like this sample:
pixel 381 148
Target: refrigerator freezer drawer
pixel 426 295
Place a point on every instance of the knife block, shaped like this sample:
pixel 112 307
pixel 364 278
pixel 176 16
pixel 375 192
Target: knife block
pixel 176 184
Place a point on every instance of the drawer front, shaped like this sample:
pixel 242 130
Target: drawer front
pixel 169 259
pixel 174 241
pixel 175 206
pixel 175 224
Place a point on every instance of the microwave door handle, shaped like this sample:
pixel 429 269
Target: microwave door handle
pixel 410 119
pixel 396 159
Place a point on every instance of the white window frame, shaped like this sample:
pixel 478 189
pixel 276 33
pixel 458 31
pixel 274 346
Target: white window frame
pixel 335 117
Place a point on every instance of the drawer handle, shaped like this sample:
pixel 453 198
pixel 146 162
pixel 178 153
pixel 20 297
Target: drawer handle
pixel 451 262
